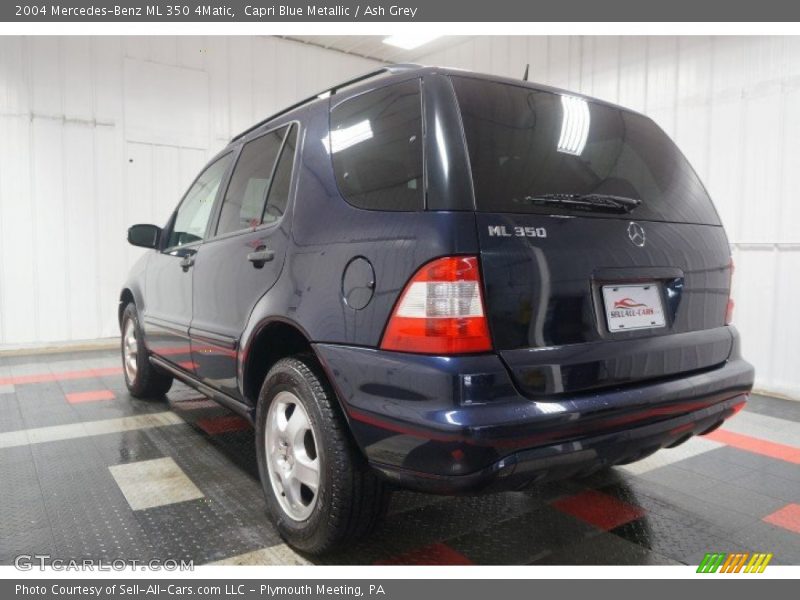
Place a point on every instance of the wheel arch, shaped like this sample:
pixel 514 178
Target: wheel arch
pixel 271 340
pixel 125 297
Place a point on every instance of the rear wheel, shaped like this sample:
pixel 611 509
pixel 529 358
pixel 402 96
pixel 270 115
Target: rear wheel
pixel 319 490
pixel 142 378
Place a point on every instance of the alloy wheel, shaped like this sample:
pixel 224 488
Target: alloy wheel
pixel 130 350
pixel 292 458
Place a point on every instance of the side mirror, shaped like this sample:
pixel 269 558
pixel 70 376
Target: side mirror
pixel 146 236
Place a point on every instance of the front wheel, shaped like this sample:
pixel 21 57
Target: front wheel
pixel 142 379
pixel 319 490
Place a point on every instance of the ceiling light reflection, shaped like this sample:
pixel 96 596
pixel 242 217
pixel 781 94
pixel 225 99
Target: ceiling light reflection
pixel 350 136
pixel 574 125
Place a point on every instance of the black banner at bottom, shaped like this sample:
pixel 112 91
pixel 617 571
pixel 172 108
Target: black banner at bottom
pixel 385 589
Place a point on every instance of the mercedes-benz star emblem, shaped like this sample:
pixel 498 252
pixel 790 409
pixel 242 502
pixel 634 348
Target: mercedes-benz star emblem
pixel 636 234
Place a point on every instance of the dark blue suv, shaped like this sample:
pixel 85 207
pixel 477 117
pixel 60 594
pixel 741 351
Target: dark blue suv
pixel 444 281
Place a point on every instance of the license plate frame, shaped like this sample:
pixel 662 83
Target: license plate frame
pixel 633 306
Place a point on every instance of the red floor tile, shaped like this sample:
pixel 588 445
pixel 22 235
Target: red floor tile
pixel 226 424
pixel 435 554
pixel 196 404
pixel 599 509
pixel 787 517
pixel 63 376
pixel 756 445
pixel 93 396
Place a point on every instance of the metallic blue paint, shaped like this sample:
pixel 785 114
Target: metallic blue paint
pixel 449 417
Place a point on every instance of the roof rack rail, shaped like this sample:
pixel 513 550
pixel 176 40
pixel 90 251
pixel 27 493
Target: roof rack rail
pixel 398 68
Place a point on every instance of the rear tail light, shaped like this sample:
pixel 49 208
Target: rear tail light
pixel 440 311
pixel 729 307
pixel 729 312
pixel 738 407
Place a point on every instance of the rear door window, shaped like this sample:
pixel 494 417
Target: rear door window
pixel 281 182
pixel 376 146
pixel 526 144
pixel 246 195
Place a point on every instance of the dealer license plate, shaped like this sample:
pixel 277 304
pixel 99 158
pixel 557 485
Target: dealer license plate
pixel 630 307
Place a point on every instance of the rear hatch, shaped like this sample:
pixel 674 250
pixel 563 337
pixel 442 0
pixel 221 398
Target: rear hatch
pixel 604 261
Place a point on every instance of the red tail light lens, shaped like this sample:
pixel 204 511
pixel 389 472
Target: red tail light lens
pixel 729 307
pixel 440 311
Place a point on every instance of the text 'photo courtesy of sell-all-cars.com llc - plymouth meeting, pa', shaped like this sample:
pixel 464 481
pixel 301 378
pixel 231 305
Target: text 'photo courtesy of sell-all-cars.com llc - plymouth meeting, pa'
pixel 441 281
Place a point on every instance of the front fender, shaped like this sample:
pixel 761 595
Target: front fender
pixel 135 284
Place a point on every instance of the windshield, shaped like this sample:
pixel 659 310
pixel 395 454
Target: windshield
pixel 526 145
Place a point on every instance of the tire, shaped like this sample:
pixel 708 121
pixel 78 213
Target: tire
pixel 143 379
pixel 350 499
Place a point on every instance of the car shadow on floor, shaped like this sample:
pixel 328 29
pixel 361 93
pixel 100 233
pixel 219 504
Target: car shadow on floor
pixel 552 523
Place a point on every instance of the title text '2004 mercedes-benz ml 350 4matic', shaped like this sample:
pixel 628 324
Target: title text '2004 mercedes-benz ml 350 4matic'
pixel 443 281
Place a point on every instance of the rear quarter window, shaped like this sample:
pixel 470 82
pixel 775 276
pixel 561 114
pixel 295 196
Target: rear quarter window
pixel 525 143
pixel 376 147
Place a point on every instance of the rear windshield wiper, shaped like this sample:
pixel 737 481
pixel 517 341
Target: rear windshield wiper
pixel 600 202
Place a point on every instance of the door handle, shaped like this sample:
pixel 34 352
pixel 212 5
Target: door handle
pixel 260 256
pixel 187 262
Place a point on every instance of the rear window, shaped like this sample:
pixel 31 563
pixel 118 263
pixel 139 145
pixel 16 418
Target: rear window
pixel 525 144
pixel 376 147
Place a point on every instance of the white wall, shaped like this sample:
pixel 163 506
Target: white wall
pixel 99 133
pixel 733 106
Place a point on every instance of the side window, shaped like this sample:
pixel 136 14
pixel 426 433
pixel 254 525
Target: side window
pixel 247 191
pixel 376 147
pixel 279 190
pixel 195 210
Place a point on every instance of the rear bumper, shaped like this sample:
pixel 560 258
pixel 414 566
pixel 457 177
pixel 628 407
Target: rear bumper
pixel 458 424
pixel 569 459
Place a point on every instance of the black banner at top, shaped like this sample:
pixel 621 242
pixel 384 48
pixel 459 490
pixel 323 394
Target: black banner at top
pixel 132 11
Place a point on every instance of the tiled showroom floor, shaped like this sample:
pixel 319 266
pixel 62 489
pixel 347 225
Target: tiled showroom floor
pixel 86 471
